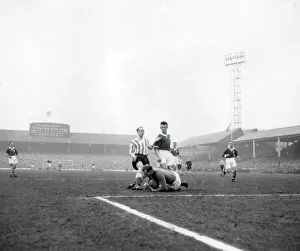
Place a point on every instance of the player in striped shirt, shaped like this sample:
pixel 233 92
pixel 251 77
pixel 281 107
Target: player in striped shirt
pixel 139 150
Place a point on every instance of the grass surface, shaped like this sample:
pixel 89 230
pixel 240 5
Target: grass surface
pixel 58 211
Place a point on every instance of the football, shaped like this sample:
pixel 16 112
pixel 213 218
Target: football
pixel 153 183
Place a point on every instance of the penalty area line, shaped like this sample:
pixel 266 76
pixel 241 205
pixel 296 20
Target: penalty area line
pixel 202 238
pixel 201 195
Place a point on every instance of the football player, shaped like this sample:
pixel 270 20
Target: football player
pixel 12 153
pixel 162 147
pixel 188 166
pixel 166 180
pixel 230 164
pixel 176 156
pixel 139 150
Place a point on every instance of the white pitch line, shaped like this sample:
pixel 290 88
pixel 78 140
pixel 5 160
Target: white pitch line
pixel 201 195
pixel 202 238
pixel 286 195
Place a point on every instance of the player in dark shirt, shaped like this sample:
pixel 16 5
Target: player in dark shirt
pixel 12 153
pixel 188 165
pixel 166 180
pixel 176 154
pixel 230 164
pixel 162 147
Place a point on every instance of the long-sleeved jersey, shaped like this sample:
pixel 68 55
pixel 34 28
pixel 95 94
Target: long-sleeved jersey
pixel 230 153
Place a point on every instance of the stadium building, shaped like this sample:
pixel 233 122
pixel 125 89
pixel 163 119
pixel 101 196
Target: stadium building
pixel 280 143
pixel 278 147
pixel 208 147
pixel 55 142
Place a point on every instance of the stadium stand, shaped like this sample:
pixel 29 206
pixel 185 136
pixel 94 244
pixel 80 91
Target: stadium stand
pixel 260 165
pixel 80 161
pixel 258 149
pixel 280 142
pixel 106 151
pixel 208 147
pixel 212 139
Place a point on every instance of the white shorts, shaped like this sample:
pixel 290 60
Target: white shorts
pixel 140 173
pixel 176 184
pixel 179 161
pixel 13 160
pixel 176 160
pixel 166 157
pixel 230 164
pixel 49 165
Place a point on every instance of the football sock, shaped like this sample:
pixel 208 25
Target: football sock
pixel 234 174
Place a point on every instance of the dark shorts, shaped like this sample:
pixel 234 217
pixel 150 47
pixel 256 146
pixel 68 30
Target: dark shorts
pixel 179 166
pixel 221 167
pixel 140 158
pixel 188 168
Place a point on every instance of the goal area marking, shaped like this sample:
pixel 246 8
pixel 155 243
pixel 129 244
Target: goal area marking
pixel 199 237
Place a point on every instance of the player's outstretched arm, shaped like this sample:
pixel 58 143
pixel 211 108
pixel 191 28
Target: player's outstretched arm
pixel 237 155
pixel 150 147
pixel 17 154
pixel 131 152
pixel 157 155
pixel 153 145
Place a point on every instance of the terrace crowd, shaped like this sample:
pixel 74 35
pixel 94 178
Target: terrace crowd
pixel 121 162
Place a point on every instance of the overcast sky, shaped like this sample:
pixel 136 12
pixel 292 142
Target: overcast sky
pixel 113 65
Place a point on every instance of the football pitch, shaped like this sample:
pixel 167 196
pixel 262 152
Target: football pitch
pixel 78 210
